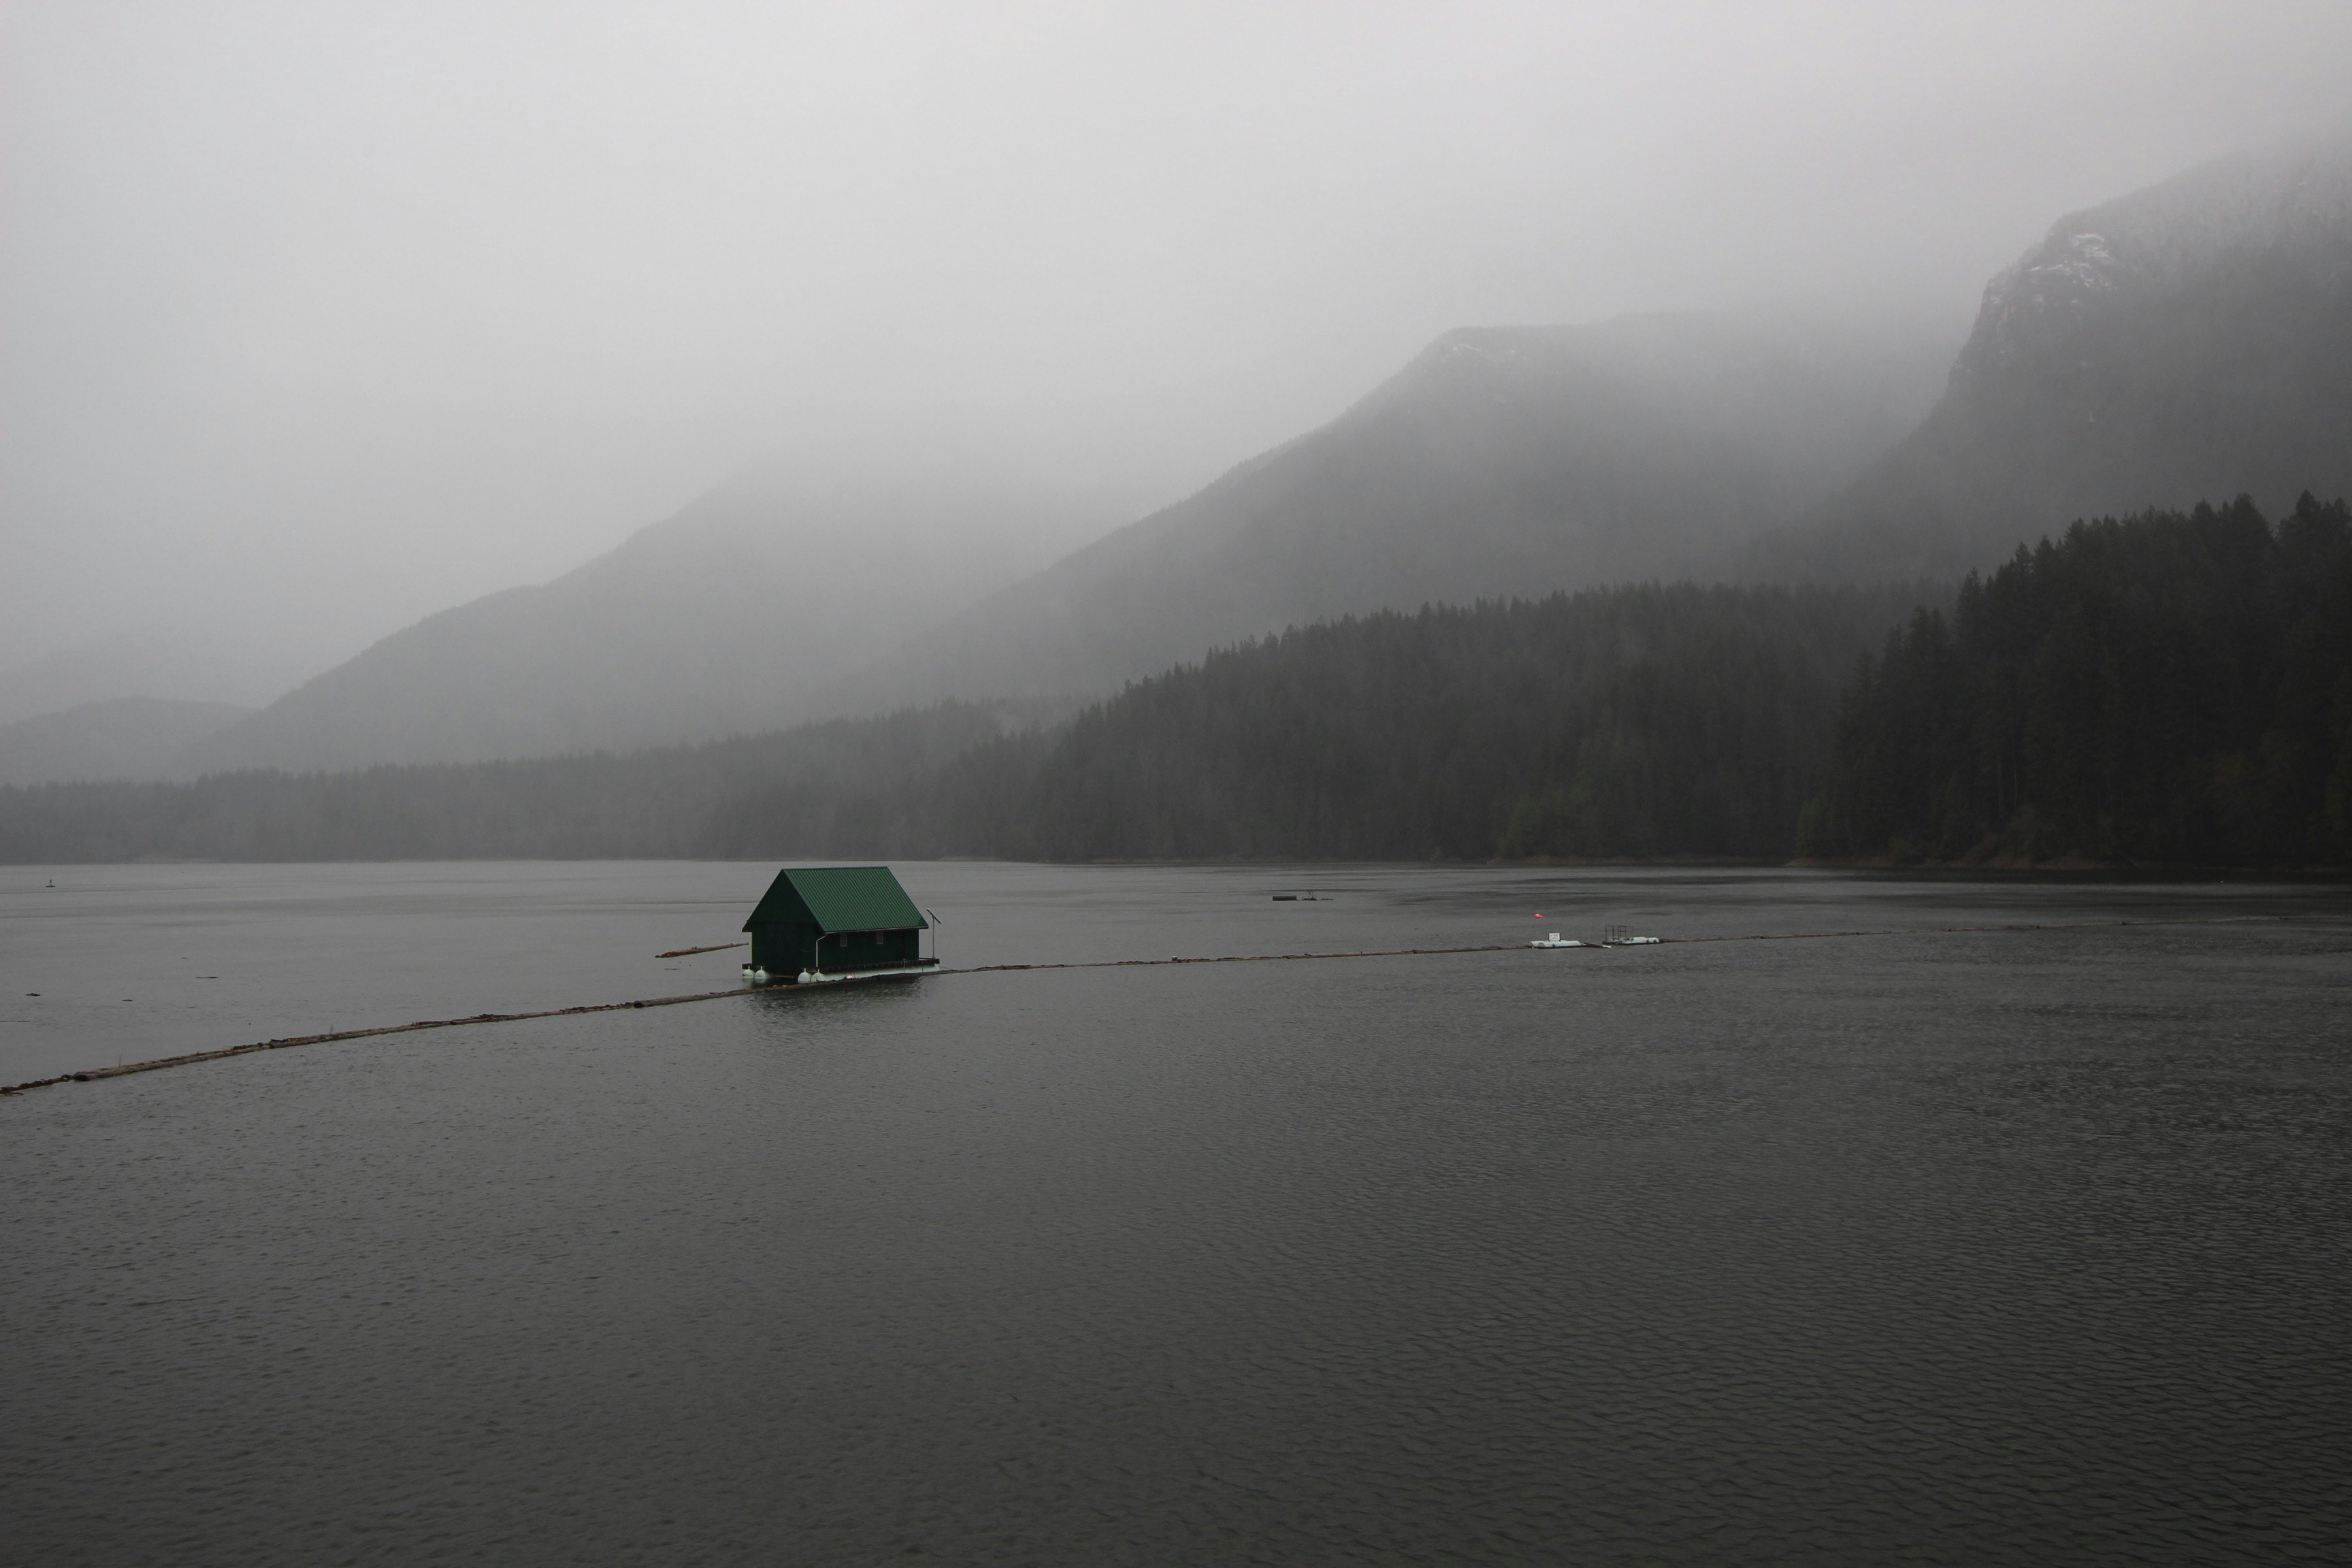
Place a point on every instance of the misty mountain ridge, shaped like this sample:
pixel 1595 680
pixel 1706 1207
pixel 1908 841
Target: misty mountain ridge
pixel 718 620
pixel 1500 461
pixel 2161 690
pixel 1695 719
pixel 124 738
pixel 244 666
pixel 2190 339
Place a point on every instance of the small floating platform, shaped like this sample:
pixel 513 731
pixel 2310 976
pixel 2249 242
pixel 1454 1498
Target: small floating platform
pixel 836 977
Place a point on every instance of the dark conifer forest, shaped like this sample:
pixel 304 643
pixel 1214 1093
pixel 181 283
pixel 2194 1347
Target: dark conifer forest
pixel 2172 689
pixel 1623 722
pixel 2167 690
pixel 1631 722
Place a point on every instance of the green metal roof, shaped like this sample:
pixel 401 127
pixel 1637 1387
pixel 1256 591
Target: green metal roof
pixel 838 898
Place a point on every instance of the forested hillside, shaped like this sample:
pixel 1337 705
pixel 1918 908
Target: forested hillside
pixel 1502 460
pixel 1626 721
pixel 2173 689
pixel 1631 722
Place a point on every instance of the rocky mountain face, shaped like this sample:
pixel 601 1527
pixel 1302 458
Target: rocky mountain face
pixel 2192 340
pixel 124 738
pixel 1509 460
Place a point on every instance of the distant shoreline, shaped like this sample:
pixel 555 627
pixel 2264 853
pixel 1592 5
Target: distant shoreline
pixel 2067 868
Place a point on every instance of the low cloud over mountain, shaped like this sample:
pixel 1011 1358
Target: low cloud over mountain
pixel 723 619
pixel 2192 340
pixel 127 738
pixel 1505 461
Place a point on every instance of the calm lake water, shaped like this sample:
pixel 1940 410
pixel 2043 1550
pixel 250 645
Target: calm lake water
pixel 1944 1246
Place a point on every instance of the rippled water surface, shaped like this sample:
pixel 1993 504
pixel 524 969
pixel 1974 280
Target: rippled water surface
pixel 1951 1246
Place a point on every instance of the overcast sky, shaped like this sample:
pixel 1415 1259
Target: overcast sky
pixel 315 318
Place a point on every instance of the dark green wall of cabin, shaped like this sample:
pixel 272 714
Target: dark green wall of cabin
pixel 789 949
pixel 782 949
pixel 865 949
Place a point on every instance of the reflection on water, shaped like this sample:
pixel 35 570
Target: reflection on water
pixel 1954 1247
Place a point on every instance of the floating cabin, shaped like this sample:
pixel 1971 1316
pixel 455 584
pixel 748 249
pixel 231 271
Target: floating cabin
pixel 825 923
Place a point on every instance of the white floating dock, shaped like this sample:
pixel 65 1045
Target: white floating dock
pixel 820 977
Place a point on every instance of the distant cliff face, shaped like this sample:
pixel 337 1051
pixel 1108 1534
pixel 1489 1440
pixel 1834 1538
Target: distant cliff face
pixel 1501 461
pixel 2192 340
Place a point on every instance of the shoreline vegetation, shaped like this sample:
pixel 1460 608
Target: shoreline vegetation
pixel 2065 868
pixel 2168 692
pixel 2174 688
